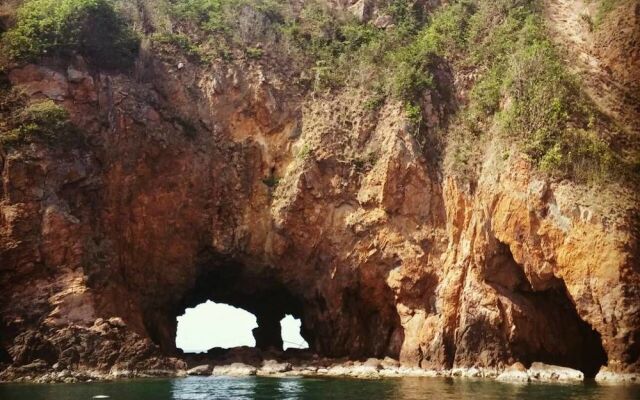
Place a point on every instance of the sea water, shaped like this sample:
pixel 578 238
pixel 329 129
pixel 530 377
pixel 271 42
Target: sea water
pixel 211 388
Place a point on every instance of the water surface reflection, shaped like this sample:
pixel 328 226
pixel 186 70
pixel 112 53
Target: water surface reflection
pixel 254 388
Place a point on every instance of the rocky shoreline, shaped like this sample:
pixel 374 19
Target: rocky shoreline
pixel 388 368
pixel 372 368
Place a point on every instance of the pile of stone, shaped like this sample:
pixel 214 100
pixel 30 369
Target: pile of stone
pixel 388 368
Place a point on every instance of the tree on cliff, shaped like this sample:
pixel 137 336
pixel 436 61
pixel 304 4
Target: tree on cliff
pixel 91 28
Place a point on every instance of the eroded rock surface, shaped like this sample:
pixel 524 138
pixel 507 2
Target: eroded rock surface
pixel 227 184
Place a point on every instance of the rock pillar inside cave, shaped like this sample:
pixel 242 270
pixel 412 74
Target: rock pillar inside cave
pixel 268 334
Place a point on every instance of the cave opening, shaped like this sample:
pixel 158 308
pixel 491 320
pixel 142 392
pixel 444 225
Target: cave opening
pixel 271 296
pixel 229 304
pixel 548 327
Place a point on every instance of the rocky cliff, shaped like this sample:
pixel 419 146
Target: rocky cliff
pixel 225 181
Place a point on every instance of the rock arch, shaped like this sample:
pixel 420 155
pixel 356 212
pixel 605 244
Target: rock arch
pixel 329 213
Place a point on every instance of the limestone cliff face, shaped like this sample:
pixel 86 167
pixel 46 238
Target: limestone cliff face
pixel 226 184
pixel 229 184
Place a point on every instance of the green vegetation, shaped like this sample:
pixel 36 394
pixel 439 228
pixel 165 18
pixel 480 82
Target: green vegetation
pixel 366 162
pixel 344 51
pixel 333 46
pixel 305 152
pixel 375 101
pixel 604 8
pixel 209 29
pixel 523 91
pixel 254 53
pixel 271 181
pixel 328 41
pixel 44 121
pixel 209 15
pixel 61 28
pixel 516 86
pixel 184 43
pixel 222 16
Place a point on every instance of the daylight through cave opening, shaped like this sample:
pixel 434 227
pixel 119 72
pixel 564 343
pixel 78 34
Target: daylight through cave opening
pixel 213 325
pixel 333 322
pixel 229 304
pixel 210 325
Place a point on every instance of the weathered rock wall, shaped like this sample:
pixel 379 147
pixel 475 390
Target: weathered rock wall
pixel 227 184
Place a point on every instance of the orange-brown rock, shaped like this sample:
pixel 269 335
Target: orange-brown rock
pixel 227 184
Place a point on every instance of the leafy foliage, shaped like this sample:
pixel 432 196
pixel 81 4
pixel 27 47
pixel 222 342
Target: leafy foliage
pixel 328 41
pixel 221 16
pixel 519 90
pixel 210 29
pixel 91 28
pixel 524 86
pixel 44 121
pixel 210 15
pixel 254 53
pixel 182 42
pixel 605 7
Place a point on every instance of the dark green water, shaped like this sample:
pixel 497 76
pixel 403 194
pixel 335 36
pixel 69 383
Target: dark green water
pixel 314 388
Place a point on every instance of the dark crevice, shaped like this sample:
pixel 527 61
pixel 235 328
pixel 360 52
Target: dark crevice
pixel 548 327
pixel 449 334
pixel 227 281
pixel 364 335
pixel 5 357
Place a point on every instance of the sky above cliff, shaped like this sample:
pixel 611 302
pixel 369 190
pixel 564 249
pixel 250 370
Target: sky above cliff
pixel 220 325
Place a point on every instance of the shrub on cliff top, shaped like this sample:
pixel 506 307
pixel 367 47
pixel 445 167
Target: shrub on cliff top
pixel 210 15
pixel 62 28
pixel 222 16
